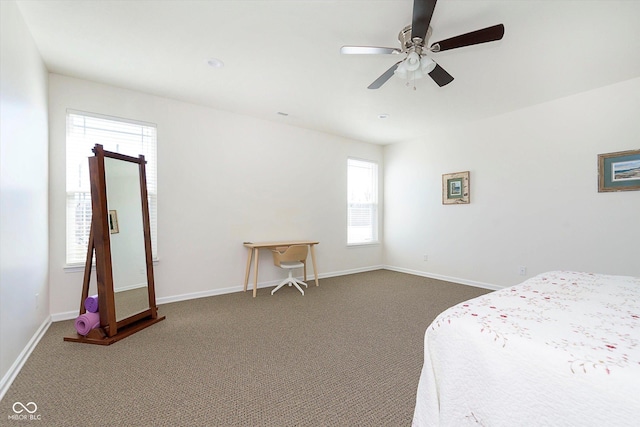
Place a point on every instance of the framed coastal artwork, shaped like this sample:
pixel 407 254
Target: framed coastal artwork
pixel 455 188
pixel 619 171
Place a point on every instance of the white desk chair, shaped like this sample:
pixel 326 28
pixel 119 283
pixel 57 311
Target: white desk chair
pixel 294 256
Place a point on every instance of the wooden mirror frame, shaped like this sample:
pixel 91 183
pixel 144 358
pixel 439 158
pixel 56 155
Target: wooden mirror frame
pixel 112 330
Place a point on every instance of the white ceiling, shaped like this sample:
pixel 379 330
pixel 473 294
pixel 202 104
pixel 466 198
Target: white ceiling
pixel 283 56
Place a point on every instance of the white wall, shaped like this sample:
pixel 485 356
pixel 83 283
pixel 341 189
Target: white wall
pixel 534 199
pixel 23 191
pixel 222 179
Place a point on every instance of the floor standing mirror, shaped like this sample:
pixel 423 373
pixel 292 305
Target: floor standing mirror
pixel 120 237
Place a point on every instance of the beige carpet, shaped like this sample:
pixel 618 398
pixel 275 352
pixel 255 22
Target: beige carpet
pixel 347 353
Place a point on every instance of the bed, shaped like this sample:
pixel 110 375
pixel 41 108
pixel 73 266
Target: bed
pixel 560 349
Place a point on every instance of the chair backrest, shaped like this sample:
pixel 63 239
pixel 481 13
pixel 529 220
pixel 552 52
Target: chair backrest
pixel 292 253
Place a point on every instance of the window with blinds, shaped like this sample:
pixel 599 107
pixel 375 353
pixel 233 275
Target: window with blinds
pixel 84 131
pixel 362 202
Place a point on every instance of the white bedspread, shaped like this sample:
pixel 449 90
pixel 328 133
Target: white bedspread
pixel 560 349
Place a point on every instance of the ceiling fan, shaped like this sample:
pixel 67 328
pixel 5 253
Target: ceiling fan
pixel 413 41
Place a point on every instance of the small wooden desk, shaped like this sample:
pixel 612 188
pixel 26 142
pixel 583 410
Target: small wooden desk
pixel 255 247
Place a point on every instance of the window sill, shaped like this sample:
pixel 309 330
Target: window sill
pixel 355 245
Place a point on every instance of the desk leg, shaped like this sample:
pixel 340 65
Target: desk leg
pixel 248 269
pixel 313 259
pixel 255 271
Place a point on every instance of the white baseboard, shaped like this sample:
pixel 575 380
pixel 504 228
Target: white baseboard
pixel 57 317
pixel 13 371
pixel 240 288
pixel 352 271
pixel 445 278
pixel 67 315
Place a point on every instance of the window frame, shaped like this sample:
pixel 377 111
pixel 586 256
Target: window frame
pixel 75 259
pixel 374 204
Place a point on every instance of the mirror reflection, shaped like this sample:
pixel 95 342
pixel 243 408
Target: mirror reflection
pixel 128 258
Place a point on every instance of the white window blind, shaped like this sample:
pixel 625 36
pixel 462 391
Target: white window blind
pixel 362 200
pixel 84 131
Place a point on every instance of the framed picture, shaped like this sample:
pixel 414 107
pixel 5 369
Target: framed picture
pixel 113 222
pixel 619 171
pixel 455 188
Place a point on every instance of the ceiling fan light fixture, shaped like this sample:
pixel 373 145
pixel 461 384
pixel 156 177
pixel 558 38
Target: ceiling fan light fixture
pixel 417 74
pixel 414 67
pixel 427 64
pixel 412 63
pixel 401 70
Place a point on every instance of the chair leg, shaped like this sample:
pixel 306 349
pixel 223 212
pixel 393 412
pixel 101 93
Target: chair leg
pixel 290 281
pixel 284 282
pixel 300 282
pixel 295 283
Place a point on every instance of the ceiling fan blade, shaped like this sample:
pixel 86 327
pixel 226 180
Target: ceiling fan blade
pixel 484 35
pixel 440 76
pixel 422 13
pixel 368 50
pixel 384 77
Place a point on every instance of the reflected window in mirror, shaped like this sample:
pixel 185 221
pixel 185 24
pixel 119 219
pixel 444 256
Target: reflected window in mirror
pixel 129 137
pixel 127 237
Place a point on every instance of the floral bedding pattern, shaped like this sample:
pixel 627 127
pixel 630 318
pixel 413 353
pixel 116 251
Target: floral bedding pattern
pixel 593 319
pixel 562 348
